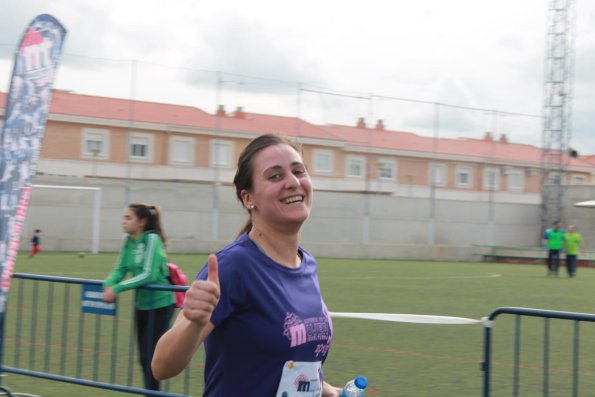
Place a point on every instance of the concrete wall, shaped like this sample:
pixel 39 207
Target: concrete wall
pixel 397 227
pixel 583 218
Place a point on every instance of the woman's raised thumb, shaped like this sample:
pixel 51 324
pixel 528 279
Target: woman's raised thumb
pixel 213 269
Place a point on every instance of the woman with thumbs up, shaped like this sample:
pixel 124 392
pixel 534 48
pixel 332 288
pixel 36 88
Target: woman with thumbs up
pixel 257 305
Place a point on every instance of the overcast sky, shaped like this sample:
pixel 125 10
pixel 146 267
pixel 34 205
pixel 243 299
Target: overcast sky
pixel 323 60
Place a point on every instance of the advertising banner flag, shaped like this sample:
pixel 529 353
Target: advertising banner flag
pixel 27 105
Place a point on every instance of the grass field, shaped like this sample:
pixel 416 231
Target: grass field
pixel 401 359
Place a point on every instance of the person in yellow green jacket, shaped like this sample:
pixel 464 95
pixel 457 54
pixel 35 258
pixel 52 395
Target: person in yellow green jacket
pixel 573 243
pixel 143 258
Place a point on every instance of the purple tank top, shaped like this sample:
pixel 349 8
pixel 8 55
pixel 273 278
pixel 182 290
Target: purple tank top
pixel 268 315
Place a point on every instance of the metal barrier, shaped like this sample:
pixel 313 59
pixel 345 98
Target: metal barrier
pixel 59 334
pixel 59 329
pixel 546 348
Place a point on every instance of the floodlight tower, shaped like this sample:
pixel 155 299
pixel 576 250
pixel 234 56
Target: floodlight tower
pixel 559 62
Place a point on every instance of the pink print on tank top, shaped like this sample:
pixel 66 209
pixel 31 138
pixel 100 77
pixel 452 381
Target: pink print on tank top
pixel 312 329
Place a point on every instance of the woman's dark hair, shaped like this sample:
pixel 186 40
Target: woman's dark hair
pixel 152 214
pixel 243 178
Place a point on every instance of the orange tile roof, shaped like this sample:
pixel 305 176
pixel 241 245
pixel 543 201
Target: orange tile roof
pixel 122 109
pixel 589 159
pixel 239 121
pixel 407 141
pixel 265 123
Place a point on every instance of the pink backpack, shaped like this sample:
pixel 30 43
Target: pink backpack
pixel 177 277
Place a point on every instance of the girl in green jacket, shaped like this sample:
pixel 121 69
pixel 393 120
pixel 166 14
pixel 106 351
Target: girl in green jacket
pixel 143 256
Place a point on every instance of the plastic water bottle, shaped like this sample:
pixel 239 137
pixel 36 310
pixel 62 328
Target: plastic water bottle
pixel 355 387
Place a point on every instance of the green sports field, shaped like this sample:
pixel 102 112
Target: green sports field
pixel 402 359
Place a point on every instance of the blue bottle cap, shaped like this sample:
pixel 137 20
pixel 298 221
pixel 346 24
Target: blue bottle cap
pixel 361 382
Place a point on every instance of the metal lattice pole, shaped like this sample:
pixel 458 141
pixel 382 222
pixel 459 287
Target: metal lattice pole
pixel 559 61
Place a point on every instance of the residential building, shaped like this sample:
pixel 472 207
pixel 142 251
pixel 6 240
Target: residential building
pixel 371 183
pixel 119 138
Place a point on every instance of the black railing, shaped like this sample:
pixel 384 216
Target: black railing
pixel 48 335
pixel 547 315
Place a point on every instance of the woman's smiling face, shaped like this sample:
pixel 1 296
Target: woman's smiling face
pixel 281 187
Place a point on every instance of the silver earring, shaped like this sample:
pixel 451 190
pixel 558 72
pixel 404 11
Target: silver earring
pixel 251 207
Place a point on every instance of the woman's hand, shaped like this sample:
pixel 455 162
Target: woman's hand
pixel 330 391
pixel 203 295
pixel 176 347
pixel 108 295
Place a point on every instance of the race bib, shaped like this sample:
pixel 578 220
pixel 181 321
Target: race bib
pixel 301 379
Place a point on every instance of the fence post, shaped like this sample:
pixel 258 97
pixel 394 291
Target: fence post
pixel 546 315
pixel 80 346
pixel 2 325
pixel 487 357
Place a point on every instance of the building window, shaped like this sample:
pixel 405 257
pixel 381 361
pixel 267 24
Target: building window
pixel 95 143
pixel 491 178
pixel 554 178
pixel 221 153
pixel 386 169
pixel 141 147
pixel 438 174
pixel 355 167
pixel 93 146
pixel 516 180
pixel 578 179
pixel 464 176
pixel 181 150
pixel 323 161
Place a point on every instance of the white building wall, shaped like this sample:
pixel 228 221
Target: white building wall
pixel 398 224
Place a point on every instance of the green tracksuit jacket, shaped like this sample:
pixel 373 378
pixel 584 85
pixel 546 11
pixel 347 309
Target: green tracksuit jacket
pixel 146 260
